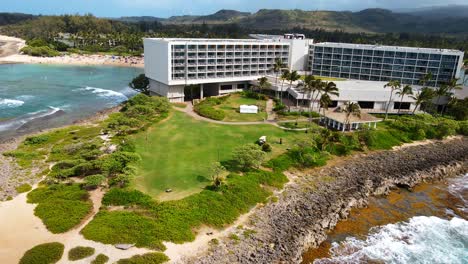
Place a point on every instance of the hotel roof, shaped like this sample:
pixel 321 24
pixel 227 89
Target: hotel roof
pixel 202 40
pixel 387 48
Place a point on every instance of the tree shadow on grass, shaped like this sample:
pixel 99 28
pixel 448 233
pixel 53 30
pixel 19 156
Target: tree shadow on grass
pixel 202 179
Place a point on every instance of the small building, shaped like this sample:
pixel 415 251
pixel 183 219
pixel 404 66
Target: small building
pixel 248 109
pixel 336 119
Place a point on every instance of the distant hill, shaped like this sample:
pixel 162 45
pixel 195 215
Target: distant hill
pixel 13 18
pixel 141 19
pixel 437 12
pixel 368 20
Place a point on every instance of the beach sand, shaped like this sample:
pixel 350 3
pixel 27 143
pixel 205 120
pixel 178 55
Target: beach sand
pixel 10 53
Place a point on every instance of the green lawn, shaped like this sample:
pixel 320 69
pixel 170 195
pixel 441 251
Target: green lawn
pixel 176 154
pixel 231 109
pixel 325 78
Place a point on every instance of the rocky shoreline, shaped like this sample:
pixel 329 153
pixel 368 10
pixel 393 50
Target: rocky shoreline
pixel 315 201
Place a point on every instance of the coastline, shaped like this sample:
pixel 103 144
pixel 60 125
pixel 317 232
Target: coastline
pixel 317 199
pixel 9 170
pixel 10 54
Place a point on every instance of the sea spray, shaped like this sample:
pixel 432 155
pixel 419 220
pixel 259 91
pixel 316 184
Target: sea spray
pixel 420 240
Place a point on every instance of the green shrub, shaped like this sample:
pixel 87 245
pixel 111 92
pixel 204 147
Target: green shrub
pixel 463 128
pixel 100 259
pixel 280 163
pixel 266 147
pixel 36 140
pixel 149 258
pixel 176 220
pixel 43 254
pixel 379 139
pixel 209 111
pixel 126 197
pixel 248 156
pixel 44 51
pixel 78 253
pixel 254 95
pixel 23 188
pixel 93 181
pixel 60 207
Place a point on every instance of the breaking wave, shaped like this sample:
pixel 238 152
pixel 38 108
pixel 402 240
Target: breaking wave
pixel 15 123
pixel 420 240
pixel 10 103
pixel 106 93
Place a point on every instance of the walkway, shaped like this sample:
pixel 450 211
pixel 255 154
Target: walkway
pixel 189 111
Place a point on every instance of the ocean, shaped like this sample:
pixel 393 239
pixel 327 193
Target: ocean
pixel 38 96
pixel 426 225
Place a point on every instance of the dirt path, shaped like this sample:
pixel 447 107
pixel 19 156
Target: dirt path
pixel 10 46
pixel 21 230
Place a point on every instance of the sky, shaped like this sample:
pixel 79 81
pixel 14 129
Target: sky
pixel 167 8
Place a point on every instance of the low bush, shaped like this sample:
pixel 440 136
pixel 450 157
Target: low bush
pixel 207 110
pixel 463 128
pixel 43 254
pixel 78 253
pixel 280 163
pixel 126 197
pixel 176 220
pixel 100 259
pixel 36 140
pixel 93 181
pixel 61 207
pixel 43 51
pixel 266 147
pixel 254 95
pixel 302 113
pixel 23 188
pixel 148 258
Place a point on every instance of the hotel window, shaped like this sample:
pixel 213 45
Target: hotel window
pixel 366 104
pixel 226 87
pixel 241 86
pixel 402 106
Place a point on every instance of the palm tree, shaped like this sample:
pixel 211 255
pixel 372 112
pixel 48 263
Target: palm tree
pixel 351 109
pixel 327 136
pixel 394 85
pixel 329 89
pixel 407 90
pixel 441 91
pixel 425 95
pixel 319 86
pixel 277 67
pixel 284 76
pixel 451 86
pixel 325 101
pixel 293 76
pixel 263 83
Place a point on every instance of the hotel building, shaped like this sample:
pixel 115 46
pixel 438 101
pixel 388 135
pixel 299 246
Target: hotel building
pixel 384 63
pixel 218 66
pixel 221 66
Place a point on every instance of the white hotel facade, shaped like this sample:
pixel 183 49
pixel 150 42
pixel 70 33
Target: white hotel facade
pixel 221 66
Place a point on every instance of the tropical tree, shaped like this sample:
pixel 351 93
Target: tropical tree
pixel 284 76
pixel 440 92
pixel 394 85
pixel 140 84
pixel 326 137
pixel 249 156
pixel 293 76
pixel 425 95
pixel 407 90
pixel 263 83
pixel 451 86
pixel 277 68
pixel 351 109
pixel 216 171
pixel 325 101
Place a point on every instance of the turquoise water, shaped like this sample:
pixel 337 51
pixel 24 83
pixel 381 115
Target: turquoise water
pixel 35 96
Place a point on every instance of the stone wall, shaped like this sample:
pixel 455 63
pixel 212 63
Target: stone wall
pixel 314 203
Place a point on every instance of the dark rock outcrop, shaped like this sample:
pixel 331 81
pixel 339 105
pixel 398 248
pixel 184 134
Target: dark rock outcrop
pixel 314 203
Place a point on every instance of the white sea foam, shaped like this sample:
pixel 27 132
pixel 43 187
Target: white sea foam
pixel 10 103
pixel 15 123
pixel 106 93
pixel 421 240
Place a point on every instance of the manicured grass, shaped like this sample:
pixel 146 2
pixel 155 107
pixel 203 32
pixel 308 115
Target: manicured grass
pixel 179 105
pixel 149 258
pixel 78 253
pixel 61 207
pixel 300 124
pixel 177 154
pixel 23 188
pixel 231 109
pixel 325 78
pixel 43 254
pixel 100 259
pixel 148 225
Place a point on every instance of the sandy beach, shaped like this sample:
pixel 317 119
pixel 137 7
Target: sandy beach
pixel 10 53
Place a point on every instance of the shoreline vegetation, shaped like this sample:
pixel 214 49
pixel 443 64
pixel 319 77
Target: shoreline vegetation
pixel 11 47
pixel 102 156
